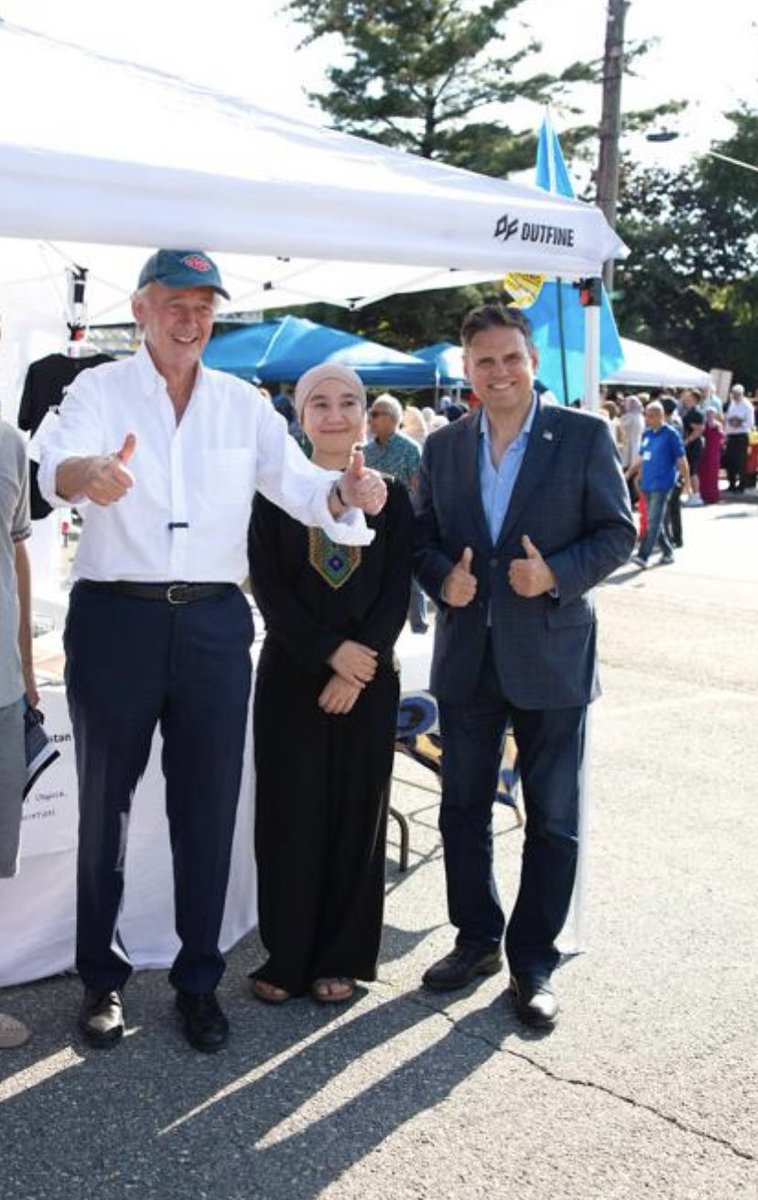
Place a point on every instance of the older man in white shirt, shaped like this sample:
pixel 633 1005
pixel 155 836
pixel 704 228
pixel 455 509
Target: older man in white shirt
pixel 165 456
pixel 739 419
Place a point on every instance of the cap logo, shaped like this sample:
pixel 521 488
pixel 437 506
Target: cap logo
pixel 196 263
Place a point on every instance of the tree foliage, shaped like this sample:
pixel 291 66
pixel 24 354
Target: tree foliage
pixel 420 77
pixel 407 322
pixel 690 286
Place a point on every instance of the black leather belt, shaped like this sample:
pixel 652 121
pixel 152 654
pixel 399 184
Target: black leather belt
pixel 170 593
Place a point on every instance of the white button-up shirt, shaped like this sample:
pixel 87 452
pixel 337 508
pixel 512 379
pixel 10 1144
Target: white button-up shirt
pixel 187 515
pixel 742 413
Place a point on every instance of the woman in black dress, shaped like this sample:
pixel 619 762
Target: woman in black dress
pixel 326 700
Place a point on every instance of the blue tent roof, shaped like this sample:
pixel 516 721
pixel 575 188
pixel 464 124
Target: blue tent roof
pixel 448 360
pixel 282 350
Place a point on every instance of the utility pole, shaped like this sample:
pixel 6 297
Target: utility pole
pixel 610 120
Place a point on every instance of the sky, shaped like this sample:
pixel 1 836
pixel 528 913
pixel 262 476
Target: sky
pixel 249 48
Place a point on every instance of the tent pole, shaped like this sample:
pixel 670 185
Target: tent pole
pixel 591 292
pixel 562 338
pixel 573 939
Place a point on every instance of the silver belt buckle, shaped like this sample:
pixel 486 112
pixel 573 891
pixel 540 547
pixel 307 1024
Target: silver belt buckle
pixel 175 587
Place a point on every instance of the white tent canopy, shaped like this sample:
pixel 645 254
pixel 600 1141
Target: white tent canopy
pixel 98 151
pixel 646 367
pixel 103 153
pixel 102 161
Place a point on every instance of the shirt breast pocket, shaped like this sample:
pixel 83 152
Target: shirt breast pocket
pixel 228 476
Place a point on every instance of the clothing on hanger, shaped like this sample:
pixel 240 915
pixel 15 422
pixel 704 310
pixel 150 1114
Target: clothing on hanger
pixel 44 388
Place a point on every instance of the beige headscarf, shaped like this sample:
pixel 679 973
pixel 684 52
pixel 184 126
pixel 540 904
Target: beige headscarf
pixel 308 383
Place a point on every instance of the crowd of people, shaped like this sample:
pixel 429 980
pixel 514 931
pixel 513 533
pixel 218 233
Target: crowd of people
pixel 505 517
pixel 675 451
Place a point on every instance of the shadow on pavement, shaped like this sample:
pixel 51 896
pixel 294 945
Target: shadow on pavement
pixel 300 1094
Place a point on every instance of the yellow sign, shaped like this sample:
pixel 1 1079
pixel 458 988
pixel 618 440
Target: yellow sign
pixel 523 289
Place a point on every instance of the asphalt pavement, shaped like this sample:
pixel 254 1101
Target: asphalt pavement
pixel 647 1087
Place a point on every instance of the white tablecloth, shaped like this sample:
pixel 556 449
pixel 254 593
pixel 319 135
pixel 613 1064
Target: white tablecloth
pixel 37 907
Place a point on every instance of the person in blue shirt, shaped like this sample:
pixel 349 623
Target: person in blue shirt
pixel 662 457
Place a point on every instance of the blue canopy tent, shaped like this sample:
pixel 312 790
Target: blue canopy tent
pixel 448 362
pixel 557 316
pixel 240 351
pixel 281 350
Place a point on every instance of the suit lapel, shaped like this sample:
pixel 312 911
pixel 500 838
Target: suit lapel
pixel 471 492
pixel 541 448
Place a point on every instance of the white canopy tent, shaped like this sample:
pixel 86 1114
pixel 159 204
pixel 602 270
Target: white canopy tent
pixel 646 367
pixel 109 160
pixel 109 152
pixel 102 161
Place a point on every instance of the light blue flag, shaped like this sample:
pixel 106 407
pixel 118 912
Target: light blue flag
pixel 557 316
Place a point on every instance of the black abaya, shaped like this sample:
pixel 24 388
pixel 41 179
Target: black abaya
pixel 323 779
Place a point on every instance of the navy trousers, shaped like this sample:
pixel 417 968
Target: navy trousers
pixel 550 745
pixel 132 664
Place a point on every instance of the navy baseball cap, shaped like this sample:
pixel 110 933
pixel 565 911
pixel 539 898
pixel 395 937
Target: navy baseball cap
pixel 182 269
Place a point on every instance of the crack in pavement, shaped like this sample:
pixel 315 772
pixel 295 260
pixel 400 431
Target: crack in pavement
pixel 572 1081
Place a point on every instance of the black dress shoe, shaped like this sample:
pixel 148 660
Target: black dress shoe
pixel 536 1003
pixel 460 966
pixel 101 1018
pixel 205 1026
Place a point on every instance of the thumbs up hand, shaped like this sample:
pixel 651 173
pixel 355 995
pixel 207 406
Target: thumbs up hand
pixel 356 464
pixel 459 586
pixel 128 448
pixel 106 477
pixel 360 487
pixel 530 576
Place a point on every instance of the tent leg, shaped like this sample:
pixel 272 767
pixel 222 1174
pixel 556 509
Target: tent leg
pixel 573 937
pixel 591 289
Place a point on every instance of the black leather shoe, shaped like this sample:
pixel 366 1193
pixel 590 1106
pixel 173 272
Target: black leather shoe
pixel 101 1018
pixel 460 966
pixel 205 1026
pixel 536 1002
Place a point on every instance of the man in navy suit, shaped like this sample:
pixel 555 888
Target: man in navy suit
pixel 522 510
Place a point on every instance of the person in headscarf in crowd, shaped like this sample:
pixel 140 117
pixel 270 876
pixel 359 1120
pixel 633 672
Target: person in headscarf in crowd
pixel 429 414
pixel 631 429
pixel 709 465
pixel 325 716
pixel 434 420
pixel 413 424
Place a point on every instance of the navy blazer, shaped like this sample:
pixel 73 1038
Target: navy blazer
pixel 571 499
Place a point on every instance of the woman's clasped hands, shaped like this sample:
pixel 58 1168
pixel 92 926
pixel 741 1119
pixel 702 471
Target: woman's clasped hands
pixel 354 666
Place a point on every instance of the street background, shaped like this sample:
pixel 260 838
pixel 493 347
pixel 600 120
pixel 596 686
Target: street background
pixel 648 1086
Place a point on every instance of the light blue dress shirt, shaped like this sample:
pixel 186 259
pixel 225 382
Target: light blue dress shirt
pixel 497 486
